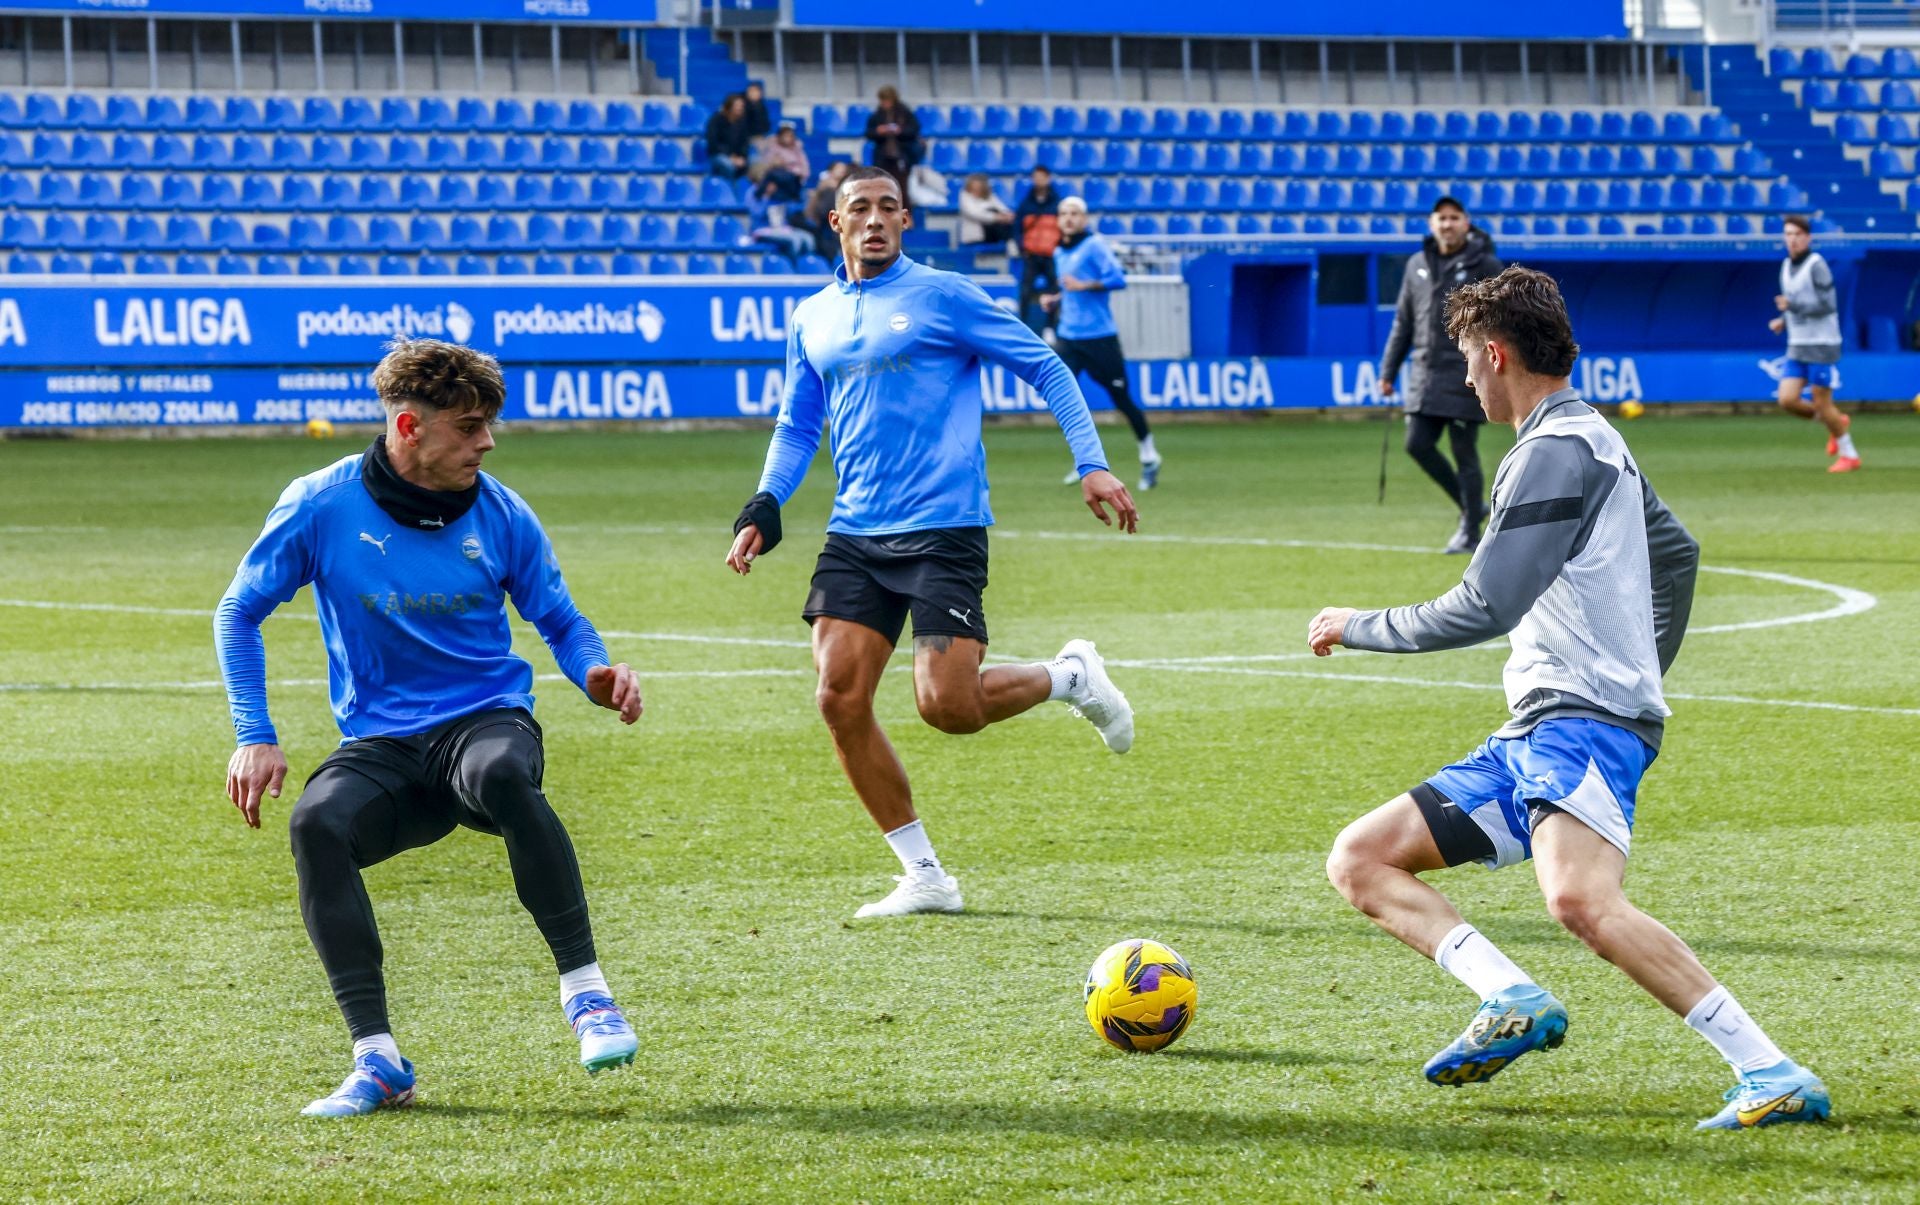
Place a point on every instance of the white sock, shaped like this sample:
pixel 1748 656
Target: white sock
pixel 1147 454
pixel 1068 677
pixel 1468 956
pixel 381 1044
pixel 1719 1019
pixel 1844 445
pixel 915 852
pixel 583 979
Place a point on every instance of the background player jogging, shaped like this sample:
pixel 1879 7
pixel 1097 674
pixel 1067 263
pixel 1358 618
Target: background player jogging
pixel 412 553
pixel 1087 338
pixel 890 354
pixel 1593 578
pixel 1810 318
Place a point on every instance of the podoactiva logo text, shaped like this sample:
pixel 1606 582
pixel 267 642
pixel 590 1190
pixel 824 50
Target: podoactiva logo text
pixel 395 321
pixel 642 318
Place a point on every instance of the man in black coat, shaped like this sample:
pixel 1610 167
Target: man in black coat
pixel 1438 396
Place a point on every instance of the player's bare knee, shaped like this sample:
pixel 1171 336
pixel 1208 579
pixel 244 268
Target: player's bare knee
pixel 841 706
pixel 956 715
pixel 1580 912
pixel 1350 863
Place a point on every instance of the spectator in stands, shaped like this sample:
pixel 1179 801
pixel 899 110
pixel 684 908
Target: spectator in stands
pixel 728 144
pixel 819 204
pixel 759 124
pixel 894 132
pixel 785 166
pixel 1038 218
pixel 1456 252
pixel 984 217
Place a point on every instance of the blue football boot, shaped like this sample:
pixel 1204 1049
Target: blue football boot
pixel 606 1040
pixel 1783 1092
pixel 1149 474
pixel 1515 1021
pixel 374 1083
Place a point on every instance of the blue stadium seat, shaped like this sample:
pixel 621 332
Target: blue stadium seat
pixel 627 264
pixel 1704 224
pixel 1456 127
pixel 580 233
pixel 394 265
pixel 1705 161
pixel 1415 161
pixel 1362 196
pixel 1745 195
pixel 1667 161
pixel 531 192
pixel 1819 94
pixel 1550 126
pixel 1885 162
pixel 149 264
pixel 427 234
pixel 266 236
pixel 1713 195
pixel 1681 195
pixel 1897 96
pixel 1362 126
pixel 103 231
pixel 184 233
pixel 1737 223
pixel 1582 126
pixel 1651 197
pixel 1862 66
pixel 1852 94
pixel 493 192
pixel 472 265
pixel 306 233
pixel 543 230
pixel 1893 129
pixel 1230 197
pixel 344 234
pixel 1817 62
pixel 1717 127
pixel 1179 223
pixel 1153 158
pixel 354 265
pixel 702 265
pixel 66 263
pixel 1899 63
pixel 1394 127
pixel 1382 160
pixel 306 265
pixel 324 151
pixel 511 264
pixel 1672 224
pixel 662 264
pixel 434 265
pixel 454 193
pixel 737 264
pixel 548 264
pixel 1098 193
pixel 1350 159
pixel 1783 62
pixel 1851 128
pixel 587 265
pixel 1526 196
pixel 143 231
pixel 43 111
pixel 229 264
pixel 1611 225
pixel 1579 225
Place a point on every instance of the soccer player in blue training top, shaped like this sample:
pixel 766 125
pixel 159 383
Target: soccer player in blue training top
pixel 412 553
pixel 1087 338
pixel 1593 578
pixel 890 353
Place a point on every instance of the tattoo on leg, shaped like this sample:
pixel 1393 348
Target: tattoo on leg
pixel 938 644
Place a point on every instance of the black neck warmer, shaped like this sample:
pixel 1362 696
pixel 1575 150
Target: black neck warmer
pixel 1800 258
pixel 413 505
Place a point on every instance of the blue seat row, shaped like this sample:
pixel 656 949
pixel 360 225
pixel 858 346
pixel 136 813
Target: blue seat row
pixel 1351 159
pixel 1889 128
pixel 1894 96
pixel 1573 224
pixel 361 152
pixel 1494 196
pixel 659 264
pixel 353 115
pixel 1818 63
pixel 262 193
pixel 501 232
pixel 1356 125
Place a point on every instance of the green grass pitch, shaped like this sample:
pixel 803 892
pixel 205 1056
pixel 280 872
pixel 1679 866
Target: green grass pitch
pixel 163 1019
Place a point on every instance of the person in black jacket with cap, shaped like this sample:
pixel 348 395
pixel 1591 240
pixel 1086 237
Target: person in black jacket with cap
pixel 1438 396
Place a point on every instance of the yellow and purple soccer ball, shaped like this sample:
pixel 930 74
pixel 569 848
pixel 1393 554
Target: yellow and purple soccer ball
pixel 319 428
pixel 1140 995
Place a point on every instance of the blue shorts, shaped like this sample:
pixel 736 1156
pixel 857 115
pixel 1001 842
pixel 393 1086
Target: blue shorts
pixel 1812 374
pixel 1585 768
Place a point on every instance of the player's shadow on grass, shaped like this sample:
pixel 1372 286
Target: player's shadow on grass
pixel 1143 925
pixel 1271 1058
pixel 1519 929
pixel 1536 1135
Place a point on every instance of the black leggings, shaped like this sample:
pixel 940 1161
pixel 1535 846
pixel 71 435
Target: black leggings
pixel 375 797
pixel 1467 488
pixel 1101 360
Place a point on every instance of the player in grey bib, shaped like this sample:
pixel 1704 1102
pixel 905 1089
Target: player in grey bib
pixel 1810 318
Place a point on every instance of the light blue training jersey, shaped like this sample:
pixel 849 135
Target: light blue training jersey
pixel 1087 314
pixel 414 621
pixel 893 364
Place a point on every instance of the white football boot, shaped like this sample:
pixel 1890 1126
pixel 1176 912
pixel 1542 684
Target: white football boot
pixel 1097 700
pixel 916 893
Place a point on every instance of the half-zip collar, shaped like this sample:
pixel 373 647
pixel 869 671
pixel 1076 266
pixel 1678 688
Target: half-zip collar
pixel 843 277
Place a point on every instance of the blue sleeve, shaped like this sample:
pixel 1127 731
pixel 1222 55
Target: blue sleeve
pixel 540 594
pixel 272 572
pixel 1109 276
pixel 796 435
pixel 994 334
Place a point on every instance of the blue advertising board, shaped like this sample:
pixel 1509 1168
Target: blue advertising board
pixel 625 390
pixel 131 325
pixel 1378 18
pixel 611 12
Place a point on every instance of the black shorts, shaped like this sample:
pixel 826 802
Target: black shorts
pixel 939 576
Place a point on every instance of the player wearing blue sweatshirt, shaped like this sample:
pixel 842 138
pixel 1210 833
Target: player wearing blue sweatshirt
pixel 1087 337
pixel 412 553
pixel 889 356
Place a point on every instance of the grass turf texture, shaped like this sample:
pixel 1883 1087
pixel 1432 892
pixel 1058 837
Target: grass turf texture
pixel 163 1019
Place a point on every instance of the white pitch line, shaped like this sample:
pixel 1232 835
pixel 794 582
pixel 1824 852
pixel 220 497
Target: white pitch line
pixel 1852 602
pixel 294 683
pixel 38 529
